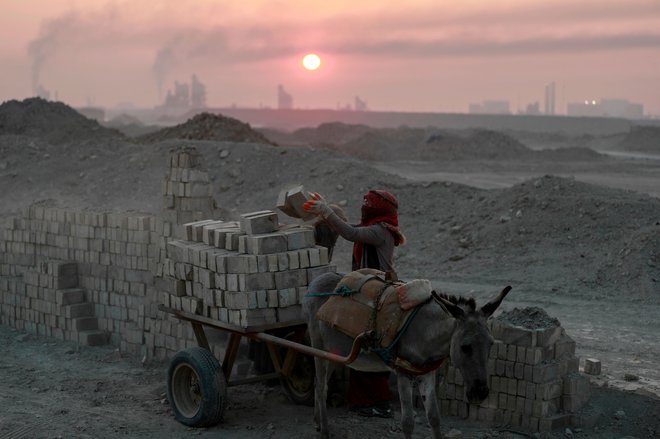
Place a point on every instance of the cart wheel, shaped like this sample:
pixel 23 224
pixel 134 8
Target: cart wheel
pixel 196 388
pixel 299 384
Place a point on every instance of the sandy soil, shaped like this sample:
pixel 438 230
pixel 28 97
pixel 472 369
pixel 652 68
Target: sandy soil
pixel 575 233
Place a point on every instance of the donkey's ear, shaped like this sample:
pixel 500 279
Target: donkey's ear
pixel 489 308
pixel 455 311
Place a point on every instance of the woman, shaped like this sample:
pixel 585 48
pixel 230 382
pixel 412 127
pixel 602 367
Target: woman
pixel 374 240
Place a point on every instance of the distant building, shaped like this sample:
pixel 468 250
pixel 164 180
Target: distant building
pixel 532 109
pixel 284 99
pixel 360 105
pixel 606 108
pixel 186 96
pixel 490 107
pixel 197 93
pixel 550 94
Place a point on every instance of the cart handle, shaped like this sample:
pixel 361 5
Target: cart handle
pixel 335 358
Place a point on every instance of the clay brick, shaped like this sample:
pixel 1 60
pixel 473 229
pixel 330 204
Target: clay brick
pixel 592 366
pixel 508 369
pixel 314 272
pixel 512 386
pixel 264 221
pixel 256 317
pixel 266 244
pixel 543 373
pixel 516 335
pixel 85 323
pixel 519 371
pixel 549 336
pixel 550 390
pixel 256 281
pixel 565 346
pixel 294 260
pixel 298 238
pixel 291 203
pixel 534 356
pixel 69 296
pixel 502 351
pixel 554 422
pixel 291 278
pixel 92 338
pixel 289 314
pixel 575 384
pixel 85 309
pixel 500 367
pixel 494 349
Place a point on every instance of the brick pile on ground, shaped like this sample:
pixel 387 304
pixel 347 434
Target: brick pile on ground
pixel 250 272
pixel 70 274
pixel 186 188
pixel 535 383
pixel 207 126
pixel 55 306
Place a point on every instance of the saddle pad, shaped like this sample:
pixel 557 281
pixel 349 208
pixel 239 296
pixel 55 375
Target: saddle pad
pixel 351 314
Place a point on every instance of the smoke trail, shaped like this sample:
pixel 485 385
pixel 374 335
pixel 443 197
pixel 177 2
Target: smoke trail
pixel 52 35
pixel 164 63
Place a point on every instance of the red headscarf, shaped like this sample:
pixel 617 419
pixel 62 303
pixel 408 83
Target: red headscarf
pixel 381 207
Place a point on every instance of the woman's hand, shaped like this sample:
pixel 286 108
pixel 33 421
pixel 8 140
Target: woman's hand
pixel 316 204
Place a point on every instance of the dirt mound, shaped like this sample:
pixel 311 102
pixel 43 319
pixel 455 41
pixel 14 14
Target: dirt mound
pixel 330 134
pixel 482 144
pixel 385 144
pixel 529 318
pixel 430 144
pixel 643 139
pixel 54 122
pixel 207 126
pixel 550 233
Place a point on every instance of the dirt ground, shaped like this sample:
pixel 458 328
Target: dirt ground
pixel 576 233
pixel 53 389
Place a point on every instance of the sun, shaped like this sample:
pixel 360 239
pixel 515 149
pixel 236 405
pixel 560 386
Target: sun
pixel 311 61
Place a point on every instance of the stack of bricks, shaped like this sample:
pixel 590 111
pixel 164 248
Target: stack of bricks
pixel 186 188
pixel 535 383
pixel 54 306
pixel 115 255
pixel 247 273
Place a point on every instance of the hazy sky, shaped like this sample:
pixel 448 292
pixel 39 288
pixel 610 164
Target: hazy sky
pixel 413 55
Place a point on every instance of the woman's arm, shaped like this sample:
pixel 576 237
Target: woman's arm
pixel 372 235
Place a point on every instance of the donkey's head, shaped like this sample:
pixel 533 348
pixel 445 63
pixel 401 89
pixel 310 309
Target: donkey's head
pixel 471 341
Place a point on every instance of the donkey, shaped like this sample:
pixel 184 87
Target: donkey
pixel 444 328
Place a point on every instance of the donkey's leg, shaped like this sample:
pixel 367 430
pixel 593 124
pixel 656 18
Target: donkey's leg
pixel 321 397
pixel 320 381
pixel 428 391
pixel 405 387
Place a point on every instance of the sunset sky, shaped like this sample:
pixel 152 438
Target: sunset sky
pixel 413 55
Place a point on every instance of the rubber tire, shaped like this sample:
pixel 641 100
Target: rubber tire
pixel 299 388
pixel 196 388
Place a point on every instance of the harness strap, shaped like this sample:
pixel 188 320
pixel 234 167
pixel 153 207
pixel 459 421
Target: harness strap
pixel 405 366
pixel 385 353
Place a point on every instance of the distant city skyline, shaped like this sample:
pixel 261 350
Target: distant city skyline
pixel 421 55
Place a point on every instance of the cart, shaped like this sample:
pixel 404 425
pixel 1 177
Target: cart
pixel 197 382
